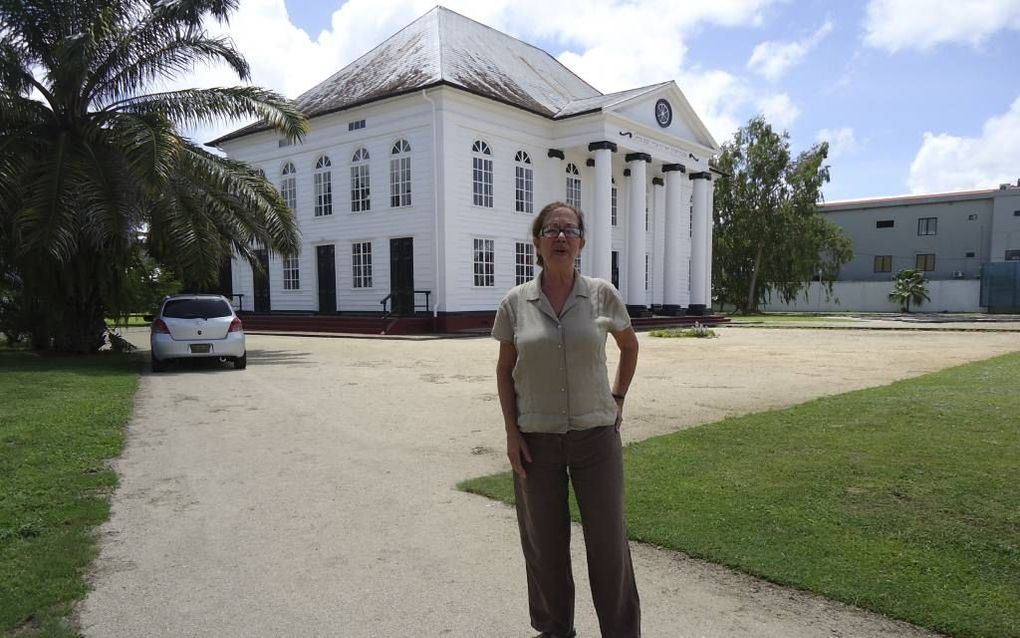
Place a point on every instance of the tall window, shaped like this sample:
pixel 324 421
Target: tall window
pixel 481 174
pixel 400 174
pixel 925 262
pixel 361 260
pixel 573 186
pixel 646 271
pixel 524 184
pixel 361 196
pixel 612 205
pixel 323 187
pixel 524 262
pixel 288 186
pixel 927 226
pixel 485 263
pixel 883 263
pixel 291 274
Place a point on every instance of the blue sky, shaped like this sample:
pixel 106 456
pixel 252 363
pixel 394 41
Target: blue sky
pixel 914 95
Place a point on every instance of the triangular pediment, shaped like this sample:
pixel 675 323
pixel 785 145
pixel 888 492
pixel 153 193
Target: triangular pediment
pixel 644 108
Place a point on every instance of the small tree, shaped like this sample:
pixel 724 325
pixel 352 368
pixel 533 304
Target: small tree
pixel 769 238
pixel 910 286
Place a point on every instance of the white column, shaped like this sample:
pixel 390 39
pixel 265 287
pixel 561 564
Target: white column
pixel 658 238
pixel 699 248
pixel 708 242
pixel 676 240
pixel 638 164
pixel 600 236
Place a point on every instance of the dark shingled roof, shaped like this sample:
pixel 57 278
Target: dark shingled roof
pixel 444 47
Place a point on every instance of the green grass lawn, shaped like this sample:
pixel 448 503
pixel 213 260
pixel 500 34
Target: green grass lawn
pixel 60 419
pixel 131 321
pixel 902 499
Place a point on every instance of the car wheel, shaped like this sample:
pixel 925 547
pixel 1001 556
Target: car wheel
pixel 240 363
pixel 157 365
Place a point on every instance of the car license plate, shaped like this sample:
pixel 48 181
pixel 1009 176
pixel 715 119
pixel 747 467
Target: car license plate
pixel 200 348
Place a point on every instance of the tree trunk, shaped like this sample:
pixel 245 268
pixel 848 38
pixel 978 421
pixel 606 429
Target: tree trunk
pixel 752 296
pixel 82 329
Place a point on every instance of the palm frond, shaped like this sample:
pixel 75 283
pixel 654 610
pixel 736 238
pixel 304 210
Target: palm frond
pixel 151 53
pixel 197 107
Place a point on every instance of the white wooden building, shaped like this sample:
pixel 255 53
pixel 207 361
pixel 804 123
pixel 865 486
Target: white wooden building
pixel 429 156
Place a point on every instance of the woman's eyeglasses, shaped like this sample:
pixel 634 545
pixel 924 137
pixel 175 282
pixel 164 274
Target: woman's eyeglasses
pixel 570 231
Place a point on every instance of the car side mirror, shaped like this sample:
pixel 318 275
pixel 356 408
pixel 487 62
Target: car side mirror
pixel 147 318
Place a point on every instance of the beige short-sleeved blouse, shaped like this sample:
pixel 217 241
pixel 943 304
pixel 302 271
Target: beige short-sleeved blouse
pixel 561 378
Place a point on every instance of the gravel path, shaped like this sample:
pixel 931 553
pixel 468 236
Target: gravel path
pixel 313 494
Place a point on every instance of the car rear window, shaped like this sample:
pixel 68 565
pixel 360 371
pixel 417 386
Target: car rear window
pixel 195 308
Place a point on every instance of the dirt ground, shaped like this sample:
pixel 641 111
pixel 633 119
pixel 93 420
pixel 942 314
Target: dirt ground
pixel 313 493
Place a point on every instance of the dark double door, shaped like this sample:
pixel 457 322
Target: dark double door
pixel 402 275
pixel 261 281
pixel 325 266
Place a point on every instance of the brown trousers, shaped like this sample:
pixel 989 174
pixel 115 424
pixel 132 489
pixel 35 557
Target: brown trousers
pixel 593 462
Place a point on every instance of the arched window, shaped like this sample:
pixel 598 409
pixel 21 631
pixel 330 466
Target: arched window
pixel 288 186
pixel 481 174
pixel 612 200
pixel 573 186
pixel 400 174
pixel 323 187
pixel 361 196
pixel 524 184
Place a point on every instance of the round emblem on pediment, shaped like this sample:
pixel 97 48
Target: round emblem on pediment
pixel 663 113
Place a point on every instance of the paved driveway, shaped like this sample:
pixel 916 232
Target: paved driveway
pixel 313 494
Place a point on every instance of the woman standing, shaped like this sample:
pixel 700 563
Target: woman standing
pixel 562 423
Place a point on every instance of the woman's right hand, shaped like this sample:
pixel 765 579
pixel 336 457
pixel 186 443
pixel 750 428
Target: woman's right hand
pixel 517 451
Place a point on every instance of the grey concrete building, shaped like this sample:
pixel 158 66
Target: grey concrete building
pixel 947 235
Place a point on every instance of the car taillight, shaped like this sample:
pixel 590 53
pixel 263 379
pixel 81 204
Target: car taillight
pixel 235 325
pixel 160 326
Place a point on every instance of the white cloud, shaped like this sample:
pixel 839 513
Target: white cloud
pixel 895 25
pixel 947 162
pixel 772 58
pixel 779 110
pixel 612 44
pixel 841 141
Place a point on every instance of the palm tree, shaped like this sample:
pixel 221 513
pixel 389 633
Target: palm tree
pixel 910 286
pixel 92 158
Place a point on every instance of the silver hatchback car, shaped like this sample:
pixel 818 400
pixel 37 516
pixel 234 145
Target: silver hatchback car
pixel 197 326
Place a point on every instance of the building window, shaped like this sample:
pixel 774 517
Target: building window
pixel 612 203
pixel 646 271
pixel 573 186
pixel 927 226
pixel 481 174
pixel 361 260
pixel 524 184
pixel 925 262
pixel 361 196
pixel 355 125
pixel 577 263
pixel 323 187
pixel 885 223
pixel 883 263
pixel 485 263
pixel 1012 255
pixel 291 274
pixel 288 186
pixel 973 216
pixel 1016 213
pixel 970 253
pixel 400 174
pixel 524 262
